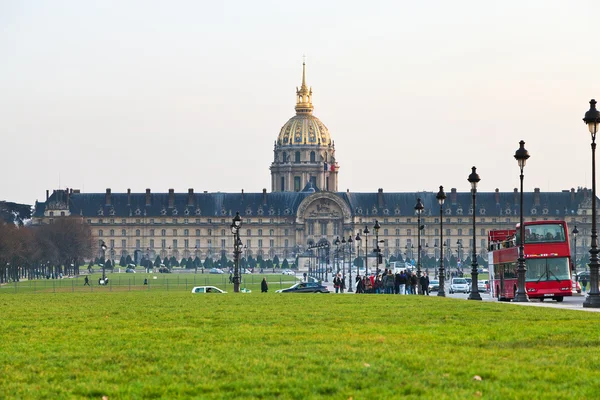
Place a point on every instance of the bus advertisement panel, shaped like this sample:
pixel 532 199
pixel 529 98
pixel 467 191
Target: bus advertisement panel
pixel 547 260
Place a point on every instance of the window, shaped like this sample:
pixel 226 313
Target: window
pixel 260 232
pixel 286 243
pixel 163 232
pixel 271 243
pixel 397 232
pixel 312 157
pixel 174 232
pixel 151 243
pixel 260 243
pixel 271 232
pixel 311 228
pixel 223 243
pixel 209 243
pixel 185 220
pixel 186 243
pixel 210 232
pixel 62 213
pixel 448 232
pixel 385 232
pixel 137 243
pixel 408 232
pixel 297 157
pixel 52 213
pixel 197 232
pixel 137 232
pixel 482 232
pixel 123 232
pixel 248 232
pixel 336 229
pixel 163 243
pixel 112 232
pixel 296 184
pixel 286 232
pixel 124 243
pixel 323 228
pixel 112 243
pixel 198 243
pixel 248 243
pixel 123 221
pixel 151 220
pixel 460 232
pixel 282 184
pixel 100 233
pixel 151 232
pixel 222 232
pixel 186 232
pixel 437 232
pixel 397 242
pixel 197 220
pixel 174 243
pixel 174 220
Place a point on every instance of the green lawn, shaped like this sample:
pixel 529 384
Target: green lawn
pixel 173 344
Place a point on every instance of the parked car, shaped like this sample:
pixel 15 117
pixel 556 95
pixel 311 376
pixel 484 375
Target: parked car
pixel 434 285
pixel 164 270
pixel 207 289
pixel 130 271
pixel 216 271
pixel 305 287
pixel 483 285
pixel 459 285
pixel 288 272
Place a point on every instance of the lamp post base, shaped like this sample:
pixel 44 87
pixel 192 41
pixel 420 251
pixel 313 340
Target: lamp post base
pixel 592 301
pixel 521 298
pixel 474 296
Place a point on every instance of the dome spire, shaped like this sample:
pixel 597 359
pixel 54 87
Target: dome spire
pixel 304 95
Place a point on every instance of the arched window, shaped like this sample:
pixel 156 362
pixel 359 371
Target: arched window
pixel 260 232
pixel 186 232
pixel 197 232
pixel 123 232
pixel 312 156
pixel 112 232
pixel 137 232
pixel 174 232
pixel 163 232
pixel 248 232
pixel 271 232
pixel 297 157
pixel 100 233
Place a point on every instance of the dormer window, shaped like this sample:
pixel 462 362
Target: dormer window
pixel 198 212
pixel 223 211
pixel 271 211
pixel 448 211
pixel 386 211
pixel 482 211
pixel 397 211
pixel 533 211
pixel 138 211
pixel 112 211
pixel 186 212
pixel 175 212
pixel 100 212
pixel 163 211
pixel 374 211
pixel 459 211
pixel 359 211
pixel 248 211
pixel 260 211
pixel 545 211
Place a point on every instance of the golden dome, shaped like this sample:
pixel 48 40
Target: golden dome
pixel 304 128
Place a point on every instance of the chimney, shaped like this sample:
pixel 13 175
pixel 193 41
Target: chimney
pixel 171 198
pixel 572 194
pixel 516 196
pixel 128 197
pixel 190 197
pixel 148 198
pixel 380 197
pixel 453 196
pixel 68 196
pixel 264 196
pixel 536 197
pixel 497 196
pixel 71 191
pixel 107 197
pixel 47 194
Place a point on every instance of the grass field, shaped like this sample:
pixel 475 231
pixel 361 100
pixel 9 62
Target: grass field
pixel 173 344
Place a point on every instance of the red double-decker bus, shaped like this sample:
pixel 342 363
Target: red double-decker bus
pixel 547 258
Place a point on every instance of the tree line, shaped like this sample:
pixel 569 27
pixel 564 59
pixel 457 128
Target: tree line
pixel 43 251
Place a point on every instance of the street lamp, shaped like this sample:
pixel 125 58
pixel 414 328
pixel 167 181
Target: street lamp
pixel 337 253
pixel 350 265
pixel 474 295
pixel 366 233
pixel 103 247
pixel 521 155
pixel 237 244
pixel 376 228
pixel 419 209
pixel 343 260
pixel 575 232
pixel 592 119
pixel 441 197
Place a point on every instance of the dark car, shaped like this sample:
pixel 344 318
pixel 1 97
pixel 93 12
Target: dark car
pixel 305 287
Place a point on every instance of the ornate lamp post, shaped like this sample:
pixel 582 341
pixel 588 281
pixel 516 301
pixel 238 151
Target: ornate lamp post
pixel 337 253
pixel 237 244
pixel 350 265
pixel 377 250
pixel 592 119
pixel 521 155
pixel 474 295
pixel 366 233
pixel 419 209
pixel 575 232
pixel 344 258
pixel 103 247
pixel 441 197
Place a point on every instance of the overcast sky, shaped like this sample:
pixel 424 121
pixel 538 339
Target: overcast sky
pixel 192 94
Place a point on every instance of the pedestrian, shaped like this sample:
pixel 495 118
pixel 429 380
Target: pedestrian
pixel 359 284
pixel 402 284
pixel 413 283
pixel 342 284
pixel 423 282
pixel 264 287
pixel 336 283
pixel 145 281
pixel 230 278
pixel 86 281
pixel 584 284
pixel 388 282
pixel 304 276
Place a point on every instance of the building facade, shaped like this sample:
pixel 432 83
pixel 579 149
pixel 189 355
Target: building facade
pixel 303 207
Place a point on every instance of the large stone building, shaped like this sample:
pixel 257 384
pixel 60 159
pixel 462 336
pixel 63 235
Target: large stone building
pixel 303 207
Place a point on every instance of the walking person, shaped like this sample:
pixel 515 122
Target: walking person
pixel 584 284
pixel 86 281
pixel 402 282
pixel 359 284
pixel 424 282
pixel 336 283
pixel 413 283
pixel 264 287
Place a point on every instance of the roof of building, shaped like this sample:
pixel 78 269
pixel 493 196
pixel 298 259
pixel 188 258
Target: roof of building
pixel 381 204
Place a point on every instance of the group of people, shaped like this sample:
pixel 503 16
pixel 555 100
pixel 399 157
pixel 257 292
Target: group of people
pixel 403 282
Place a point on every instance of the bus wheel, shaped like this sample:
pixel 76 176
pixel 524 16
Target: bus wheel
pixel 541 299
pixel 558 299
